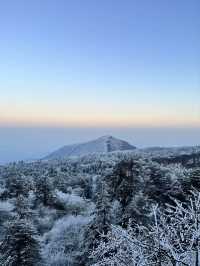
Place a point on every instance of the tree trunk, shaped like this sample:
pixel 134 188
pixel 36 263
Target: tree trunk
pixel 197 257
pixel 159 258
pixel 173 262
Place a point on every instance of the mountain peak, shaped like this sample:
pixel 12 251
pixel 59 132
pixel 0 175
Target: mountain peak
pixel 103 144
pixel 106 137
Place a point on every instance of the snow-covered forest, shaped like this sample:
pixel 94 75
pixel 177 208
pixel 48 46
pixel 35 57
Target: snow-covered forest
pixel 119 208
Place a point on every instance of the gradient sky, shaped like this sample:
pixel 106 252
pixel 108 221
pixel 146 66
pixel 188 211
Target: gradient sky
pixel 99 64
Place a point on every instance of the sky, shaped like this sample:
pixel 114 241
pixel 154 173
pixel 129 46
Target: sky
pixel 72 70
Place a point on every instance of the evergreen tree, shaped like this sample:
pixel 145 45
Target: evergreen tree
pixel 16 184
pixel 44 191
pixel 101 223
pixel 20 246
pixel 125 181
pixel 22 207
pixel 137 211
pixel 195 178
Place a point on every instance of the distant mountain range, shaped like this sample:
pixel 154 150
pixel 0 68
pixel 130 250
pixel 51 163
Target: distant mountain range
pixel 103 144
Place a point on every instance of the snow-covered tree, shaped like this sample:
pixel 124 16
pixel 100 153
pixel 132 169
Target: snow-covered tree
pixel 172 238
pixel 16 184
pixel 22 207
pixel 101 221
pixel 44 190
pixel 181 226
pixel 20 246
pixel 62 244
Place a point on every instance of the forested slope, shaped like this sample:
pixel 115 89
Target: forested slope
pixel 103 209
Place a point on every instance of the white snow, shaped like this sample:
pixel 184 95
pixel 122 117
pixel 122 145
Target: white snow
pixel 101 145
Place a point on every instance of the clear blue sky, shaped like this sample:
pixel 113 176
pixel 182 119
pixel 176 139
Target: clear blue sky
pixel 97 63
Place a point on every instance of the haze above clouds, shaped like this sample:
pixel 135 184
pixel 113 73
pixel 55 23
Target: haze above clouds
pixel 75 70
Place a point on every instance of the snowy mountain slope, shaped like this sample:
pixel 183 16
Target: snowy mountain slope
pixel 103 144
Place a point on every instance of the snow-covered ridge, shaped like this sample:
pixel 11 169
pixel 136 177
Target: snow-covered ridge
pixel 103 144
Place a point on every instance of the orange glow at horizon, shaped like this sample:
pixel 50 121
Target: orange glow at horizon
pixel 64 118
